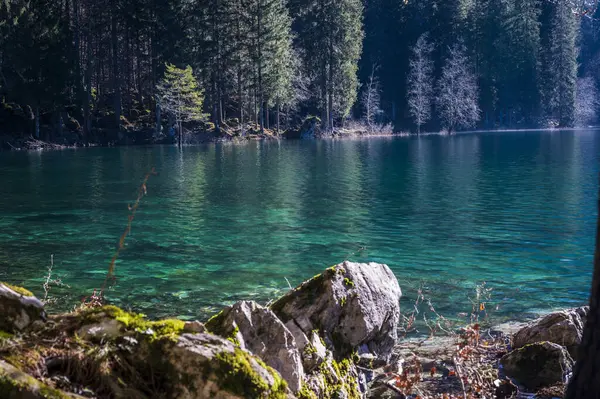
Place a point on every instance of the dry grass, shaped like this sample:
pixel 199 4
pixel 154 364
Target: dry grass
pixel 463 362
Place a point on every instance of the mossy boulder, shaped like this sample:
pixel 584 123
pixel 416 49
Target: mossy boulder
pixel 19 309
pixel 258 330
pixel 538 365
pixel 207 366
pixel 15 384
pixel 354 306
pixel 564 328
pixel 109 352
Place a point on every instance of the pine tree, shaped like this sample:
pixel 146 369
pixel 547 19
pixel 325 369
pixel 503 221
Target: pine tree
pixel 330 37
pixel 558 82
pixel 181 97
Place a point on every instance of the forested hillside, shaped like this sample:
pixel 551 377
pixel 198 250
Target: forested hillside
pixel 89 67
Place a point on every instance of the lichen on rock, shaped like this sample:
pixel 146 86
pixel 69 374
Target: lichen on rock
pixel 363 314
pixel 258 330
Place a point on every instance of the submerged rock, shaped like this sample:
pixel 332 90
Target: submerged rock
pixel 563 328
pixel 537 365
pixel 259 331
pixel 353 306
pixel 18 308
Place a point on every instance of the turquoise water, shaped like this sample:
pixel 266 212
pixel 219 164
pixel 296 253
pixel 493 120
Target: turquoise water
pixel 228 222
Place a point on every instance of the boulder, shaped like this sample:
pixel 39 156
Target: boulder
pixel 207 366
pixel 563 328
pixel 19 309
pixel 15 384
pixel 351 305
pixel 258 330
pixel 538 365
pixel 140 356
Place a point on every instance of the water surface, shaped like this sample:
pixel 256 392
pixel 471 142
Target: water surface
pixel 227 222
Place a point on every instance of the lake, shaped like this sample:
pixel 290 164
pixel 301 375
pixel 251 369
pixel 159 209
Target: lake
pixel 227 222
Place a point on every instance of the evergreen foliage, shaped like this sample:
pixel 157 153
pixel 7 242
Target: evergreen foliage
pixel 93 66
pixel 180 96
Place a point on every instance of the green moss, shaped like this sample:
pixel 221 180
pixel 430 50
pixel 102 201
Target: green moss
pixel 341 381
pixel 233 336
pixel 5 335
pixel 236 374
pixel 17 289
pixel 215 325
pixel 306 393
pixel 168 328
pixel 343 301
pixel 309 349
pixel 348 282
pixel 214 319
pixel 17 384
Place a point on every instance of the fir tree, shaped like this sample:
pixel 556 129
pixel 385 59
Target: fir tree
pixel 180 97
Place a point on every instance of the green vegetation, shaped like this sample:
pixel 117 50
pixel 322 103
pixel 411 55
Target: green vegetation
pixel 168 328
pixel 342 380
pixel 17 289
pixel 262 63
pixel 348 282
pixel 237 375
pixel 17 383
pixel 180 96
pixel 306 393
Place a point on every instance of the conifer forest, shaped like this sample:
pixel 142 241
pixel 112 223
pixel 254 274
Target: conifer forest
pixel 95 66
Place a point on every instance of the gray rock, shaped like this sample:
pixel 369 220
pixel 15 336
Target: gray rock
pixel 563 328
pixel 18 309
pixel 314 353
pixel 207 366
pixel 15 384
pixel 194 327
pixel 259 331
pixel 350 305
pixel 105 329
pixel 538 365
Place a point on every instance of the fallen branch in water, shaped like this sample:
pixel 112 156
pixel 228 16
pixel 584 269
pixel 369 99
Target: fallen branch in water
pixel 97 297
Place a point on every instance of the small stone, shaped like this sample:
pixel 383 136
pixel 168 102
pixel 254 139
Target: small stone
pixel 106 329
pixel 194 327
pixel 505 389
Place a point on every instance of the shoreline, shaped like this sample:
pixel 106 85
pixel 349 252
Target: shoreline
pixel 310 343
pixel 24 144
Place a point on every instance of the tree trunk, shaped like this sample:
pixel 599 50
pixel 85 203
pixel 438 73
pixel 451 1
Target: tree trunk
pixel 158 118
pixel 585 383
pixel 260 83
pixel 115 67
pixel 87 120
pixel 330 91
pixel 180 128
pixel 37 121
pixel 80 88
pixel 278 118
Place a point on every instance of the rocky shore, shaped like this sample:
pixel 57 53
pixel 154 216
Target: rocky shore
pixel 334 336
